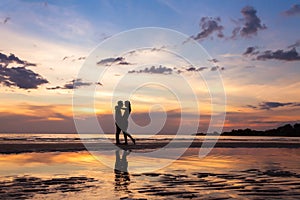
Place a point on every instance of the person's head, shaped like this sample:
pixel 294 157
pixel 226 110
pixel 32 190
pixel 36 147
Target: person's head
pixel 127 103
pixel 120 103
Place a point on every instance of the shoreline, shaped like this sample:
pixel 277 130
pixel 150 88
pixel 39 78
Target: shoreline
pixel 15 148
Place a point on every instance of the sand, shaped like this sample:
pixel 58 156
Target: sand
pixel 8 148
pixel 226 173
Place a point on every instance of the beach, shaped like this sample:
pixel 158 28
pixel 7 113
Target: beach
pixel 226 173
pixel 260 168
pixel 7 148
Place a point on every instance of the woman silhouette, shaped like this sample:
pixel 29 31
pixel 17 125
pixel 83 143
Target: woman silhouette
pixel 125 121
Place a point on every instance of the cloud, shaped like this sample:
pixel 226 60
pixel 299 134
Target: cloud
pixel 154 70
pixel 76 83
pixel 6 20
pixel 73 58
pixel 296 44
pixel 110 61
pixel 209 26
pixel 6 60
pixel 54 88
pixel 251 23
pixel 294 10
pixel 251 106
pixel 20 76
pixel 213 60
pixel 194 69
pixel 81 58
pixel 65 58
pixel 269 105
pixel 174 70
pixel 251 51
pixel 288 55
pixel 73 84
pixel 215 68
pixel 124 63
pixel 37 123
pixel 146 50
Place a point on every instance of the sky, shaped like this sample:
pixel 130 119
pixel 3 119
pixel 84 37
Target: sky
pixel 248 51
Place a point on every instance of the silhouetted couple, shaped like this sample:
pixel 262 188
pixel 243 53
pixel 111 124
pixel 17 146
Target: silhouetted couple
pixel 122 120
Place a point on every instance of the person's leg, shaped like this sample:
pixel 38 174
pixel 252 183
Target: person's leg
pixel 124 130
pixel 127 134
pixel 118 131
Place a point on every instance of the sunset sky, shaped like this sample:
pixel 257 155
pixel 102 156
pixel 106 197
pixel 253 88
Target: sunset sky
pixel 253 45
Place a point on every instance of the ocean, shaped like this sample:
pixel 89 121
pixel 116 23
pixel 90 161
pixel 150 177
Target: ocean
pixel 46 138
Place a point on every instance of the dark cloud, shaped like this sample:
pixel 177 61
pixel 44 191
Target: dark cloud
pixel 296 44
pixel 81 58
pixel 6 20
pixel 191 69
pixel 73 84
pixel 213 60
pixel 251 23
pixel 6 60
pixel 251 51
pixel 76 83
pixel 288 55
pixel 167 70
pixel 110 61
pixel 154 70
pixel 215 68
pixel 251 106
pixel 294 10
pixel 54 88
pixel 124 63
pixel 194 69
pixel 73 58
pixel 209 26
pixel 20 77
pixel 269 105
pixel 65 58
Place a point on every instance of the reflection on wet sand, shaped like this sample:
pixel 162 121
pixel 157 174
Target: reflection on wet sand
pixel 122 177
pixel 240 173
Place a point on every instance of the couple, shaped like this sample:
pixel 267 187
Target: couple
pixel 122 120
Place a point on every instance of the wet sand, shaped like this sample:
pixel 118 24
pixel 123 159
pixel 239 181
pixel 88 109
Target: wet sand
pixel 8 148
pixel 248 184
pixel 236 173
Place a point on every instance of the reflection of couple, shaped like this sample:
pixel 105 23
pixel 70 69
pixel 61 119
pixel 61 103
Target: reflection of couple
pixel 122 178
pixel 122 120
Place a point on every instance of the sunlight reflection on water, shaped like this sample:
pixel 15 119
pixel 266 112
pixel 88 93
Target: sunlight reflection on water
pixel 225 172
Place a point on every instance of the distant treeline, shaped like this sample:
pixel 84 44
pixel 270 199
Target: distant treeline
pixel 286 130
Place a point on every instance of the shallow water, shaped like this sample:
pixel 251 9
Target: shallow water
pixel 226 173
pixel 54 138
